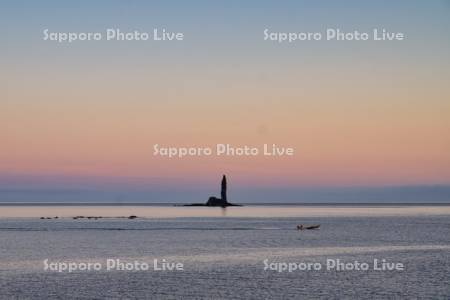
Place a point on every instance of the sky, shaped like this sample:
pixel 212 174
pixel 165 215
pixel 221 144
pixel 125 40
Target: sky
pixel 84 116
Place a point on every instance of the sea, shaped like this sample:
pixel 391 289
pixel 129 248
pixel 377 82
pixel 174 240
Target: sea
pixel 140 251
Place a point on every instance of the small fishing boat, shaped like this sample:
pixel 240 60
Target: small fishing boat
pixel 302 227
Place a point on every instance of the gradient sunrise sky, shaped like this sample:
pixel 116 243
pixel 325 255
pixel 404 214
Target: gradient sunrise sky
pixel 357 113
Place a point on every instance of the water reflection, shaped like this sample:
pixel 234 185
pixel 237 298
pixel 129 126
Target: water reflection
pixel 211 212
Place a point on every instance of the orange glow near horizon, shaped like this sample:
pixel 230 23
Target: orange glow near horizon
pixel 343 133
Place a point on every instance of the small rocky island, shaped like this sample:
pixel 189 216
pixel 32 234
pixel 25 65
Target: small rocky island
pixel 217 202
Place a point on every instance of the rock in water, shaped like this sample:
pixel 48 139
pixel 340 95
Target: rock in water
pixel 223 202
pixel 214 201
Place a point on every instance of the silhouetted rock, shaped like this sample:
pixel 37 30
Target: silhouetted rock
pixel 214 201
pixel 132 217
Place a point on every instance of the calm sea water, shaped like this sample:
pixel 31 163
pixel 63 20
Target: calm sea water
pixel 223 253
